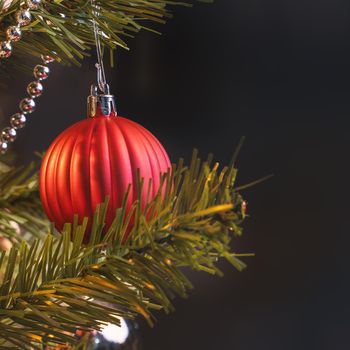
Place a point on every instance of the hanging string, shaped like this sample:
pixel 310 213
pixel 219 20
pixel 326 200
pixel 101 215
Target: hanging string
pixel 101 75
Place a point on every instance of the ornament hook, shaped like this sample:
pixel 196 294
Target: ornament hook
pixel 101 75
pixel 100 104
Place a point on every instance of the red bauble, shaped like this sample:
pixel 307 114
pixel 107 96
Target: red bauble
pixel 95 158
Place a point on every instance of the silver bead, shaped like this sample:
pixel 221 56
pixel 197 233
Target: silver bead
pixel 35 89
pixel 5 49
pixel 41 72
pixel 13 33
pixel 23 17
pixel 27 105
pixel 33 4
pixel 18 121
pixel 3 147
pixel 8 134
pixel 47 59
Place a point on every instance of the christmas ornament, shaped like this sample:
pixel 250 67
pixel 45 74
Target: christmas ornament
pixel 99 157
pixel 122 336
pixel 117 337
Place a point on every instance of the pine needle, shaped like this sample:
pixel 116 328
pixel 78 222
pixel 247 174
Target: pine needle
pixel 53 285
pixel 63 29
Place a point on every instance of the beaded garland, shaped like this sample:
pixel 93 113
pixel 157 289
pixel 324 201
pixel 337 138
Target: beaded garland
pixel 35 88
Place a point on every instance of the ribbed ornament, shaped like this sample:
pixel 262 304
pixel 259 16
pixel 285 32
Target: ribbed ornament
pixel 95 158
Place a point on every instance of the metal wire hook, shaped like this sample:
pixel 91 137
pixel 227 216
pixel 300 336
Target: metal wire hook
pixel 101 75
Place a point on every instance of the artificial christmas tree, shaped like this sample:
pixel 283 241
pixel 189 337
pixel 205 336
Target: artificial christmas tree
pixel 146 220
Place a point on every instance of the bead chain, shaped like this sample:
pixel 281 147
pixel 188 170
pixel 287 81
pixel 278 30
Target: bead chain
pixel 35 88
pixel 14 33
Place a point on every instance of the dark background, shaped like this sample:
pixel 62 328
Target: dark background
pixel 276 71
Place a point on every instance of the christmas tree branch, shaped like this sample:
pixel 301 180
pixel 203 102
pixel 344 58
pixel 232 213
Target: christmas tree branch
pixel 55 286
pixel 63 29
pixel 21 215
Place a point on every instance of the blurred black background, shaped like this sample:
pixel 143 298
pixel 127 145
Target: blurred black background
pixel 276 71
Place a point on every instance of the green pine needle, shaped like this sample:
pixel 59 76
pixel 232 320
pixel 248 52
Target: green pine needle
pixel 54 285
pixel 63 29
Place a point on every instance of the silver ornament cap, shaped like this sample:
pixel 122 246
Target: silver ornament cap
pixel 100 104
